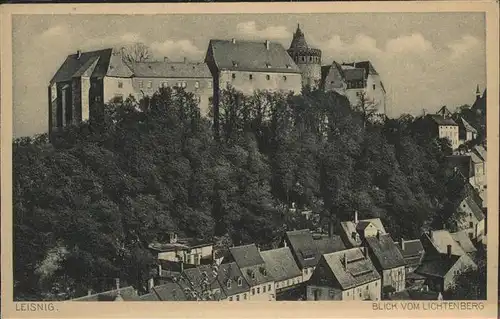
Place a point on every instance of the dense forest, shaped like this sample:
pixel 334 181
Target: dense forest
pixel 87 205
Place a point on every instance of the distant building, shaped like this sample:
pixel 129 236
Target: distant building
pixel 345 275
pixel 203 279
pixel 187 250
pixel 86 80
pixel 254 271
pixel 473 219
pixel 444 126
pixel 466 132
pixel 307 59
pixel 413 253
pixel 463 239
pixel 421 294
pixel 233 284
pixel 353 232
pixel 282 267
pixel 438 242
pixel 304 251
pixel 388 261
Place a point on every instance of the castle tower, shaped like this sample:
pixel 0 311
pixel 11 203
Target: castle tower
pixel 307 59
pixel 478 93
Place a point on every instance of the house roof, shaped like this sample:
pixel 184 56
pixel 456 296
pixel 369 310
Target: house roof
pixel 151 296
pixel 443 111
pixel 353 74
pixel 359 270
pixel 256 275
pixel 349 227
pixel 385 251
pixel 475 158
pixel 251 56
pixel 437 266
pixel 480 151
pixel 167 69
pixel 440 120
pixel 247 255
pixel 280 263
pixel 231 271
pixel 181 244
pixel 367 67
pixel 462 238
pixel 326 244
pixel 413 251
pixel 476 210
pixel 302 245
pixel 93 64
pixel 171 291
pixel 197 275
pixel 467 126
pixel 126 293
pixel 326 69
pixel 414 295
pixel 441 239
pixel 298 40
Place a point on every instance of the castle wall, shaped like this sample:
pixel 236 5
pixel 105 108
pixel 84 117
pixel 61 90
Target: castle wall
pixel 248 82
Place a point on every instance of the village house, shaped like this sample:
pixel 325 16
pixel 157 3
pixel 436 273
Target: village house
pixel 345 275
pixel 466 132
pixel 353 232
pixel 463 239
pixel 473 219
pixel 439 242
pixel 443 126
pixel 203 279
pixel 304 251
pixel 233 284
pixel 471 168
pixel 282 267
pixel 442 269
pixel 189 251
pixel 86 80
pixel 388 261
pixel 413 253
pixel 254 270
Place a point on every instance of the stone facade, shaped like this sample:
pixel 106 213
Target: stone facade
pixel 307 59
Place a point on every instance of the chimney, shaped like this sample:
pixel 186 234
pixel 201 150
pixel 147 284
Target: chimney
pixel 365 251
pixel 345 261
pixel 402 244
pixel 165 59
pixel 378 234
pixel 233 40
pixel 159 269
pixel 185 60
pixel 181 264
pixel 151 283
pixel 330 228
pixel 78 54
pixel 478 93
pixel 267 44
pixel 356 217
pixel 448 251
pixel 89 292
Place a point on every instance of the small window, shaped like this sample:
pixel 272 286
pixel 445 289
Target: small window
pixel 245 296
pixel 258 290
pixel 374 86
pixel 376 283
pixel 209 84
pixel 471 224
pixel 150 84
pixel 237 297
pixel 228 284
pixel 120 84
pixel 230 298
pixel 264 289
pixel 250 76
pixel 269 287
pixel 196 84
pixel 253 275
pixel 253 291
pixel 284 77
pixel 98 98
pixel 268 77
pixel 141 84
pixel 240 282
pixel 348 293
pixel 233 76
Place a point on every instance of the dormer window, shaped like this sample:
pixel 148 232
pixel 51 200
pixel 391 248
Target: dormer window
pixel 228 284
pixel 268 65
pixel 235 64
pixel 288 66
pixel 240 282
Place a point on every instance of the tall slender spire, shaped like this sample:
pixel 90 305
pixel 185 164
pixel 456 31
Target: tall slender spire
pixel 478 93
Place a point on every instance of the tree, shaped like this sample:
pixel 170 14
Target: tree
pixel 366 107
pixel 137 52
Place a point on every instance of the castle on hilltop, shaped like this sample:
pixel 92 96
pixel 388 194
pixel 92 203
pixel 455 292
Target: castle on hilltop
pixel 87 78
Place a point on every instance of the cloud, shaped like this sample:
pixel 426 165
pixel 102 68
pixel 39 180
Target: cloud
pixel 177 49
pixel 463 46
pixel 53 32
pixel 412 44
pixel 249 30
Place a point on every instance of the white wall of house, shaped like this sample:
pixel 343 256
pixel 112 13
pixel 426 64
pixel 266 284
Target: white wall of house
pixel 451 133
pixel 370 290
pixel 264 292
pixel 114 86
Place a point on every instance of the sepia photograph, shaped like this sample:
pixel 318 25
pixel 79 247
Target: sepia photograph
pixel 234 157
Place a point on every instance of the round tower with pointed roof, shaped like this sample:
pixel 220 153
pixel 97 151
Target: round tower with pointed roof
pixel 307 59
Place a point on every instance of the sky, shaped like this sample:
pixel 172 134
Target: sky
pixel 426 60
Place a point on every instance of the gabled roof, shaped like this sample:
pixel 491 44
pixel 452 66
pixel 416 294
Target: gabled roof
pixel 171 291
pixel 440 239
pixel 480 151
pixel 126 294
pixel 302 246
pixel 353 74
pixel 280 263
pixel 257 275
pixel 474 207
pixel 326 244
pixel 440 120
pixel 443 111
pixel 438 265
pixel 358 270
pixel 250 56
pixel 462 238
pixel 467 126
pixel 246 256
pixel 367 67
pixel 298 40
pixel 349 227
pixel 197 275
pixel 385 251
pixel 232 272
pixel 166 69
pixel 151 296
pixel 413 251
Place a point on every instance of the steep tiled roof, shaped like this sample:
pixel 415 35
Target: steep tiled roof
pixel 196 277
pixel 257 275
pixel 440 120
pixel 126 293
pixel 171 291
pixel 441 239
pixel 413 252
pixel 251 56
pixel 467 126
pixel 280 263
pixel 480 151
pixel 298 40
pixel 246 256
pixel 474 158
pixel 438 265
pixel 303 247
pixel 385 251
pixel 349 227
pixel 327 244
pixel 152 296
pixel 476 210
pixel 462 238
pixel 170 69
pixel 366 66
pixel 230 271
pixel 354 74
pixel 359 270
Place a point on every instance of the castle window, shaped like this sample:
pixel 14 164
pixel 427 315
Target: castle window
pixel 196 84
pixel 268 77
pixel 141 84
pixel 240 282
pixel 164 84
pixel 303 59
pixel 120 84
pixel 374 86
pixel 310 59
pixel 233 76
pixel 209 84
pixel 284 77
pixel 237 297
pixel 250 76
pixel 150 84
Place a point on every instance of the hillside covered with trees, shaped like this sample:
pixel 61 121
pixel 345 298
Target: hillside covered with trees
pixel 87 205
